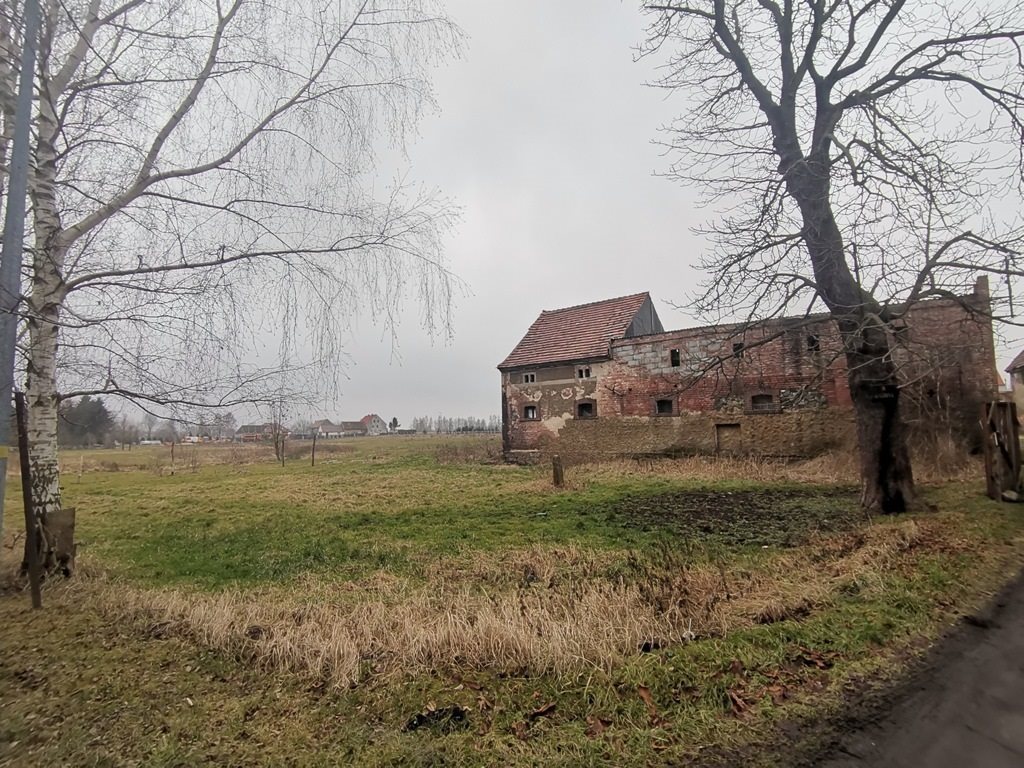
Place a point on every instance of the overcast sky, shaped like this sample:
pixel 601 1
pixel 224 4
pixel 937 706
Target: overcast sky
pixel 545 141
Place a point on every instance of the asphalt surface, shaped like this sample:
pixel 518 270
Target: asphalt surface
pixel 966 710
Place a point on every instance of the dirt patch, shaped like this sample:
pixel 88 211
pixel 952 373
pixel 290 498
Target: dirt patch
pixel 778 517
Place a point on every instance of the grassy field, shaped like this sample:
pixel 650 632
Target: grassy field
pixel 408 601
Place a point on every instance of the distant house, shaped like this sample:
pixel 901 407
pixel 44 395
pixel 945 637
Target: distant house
pixel 374 424
pixel 254 433
pixel 327 428
pixel 1016 371
pixel 368 425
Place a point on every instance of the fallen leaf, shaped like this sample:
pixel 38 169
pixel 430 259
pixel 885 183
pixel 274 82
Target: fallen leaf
pixel 542 711
pixel 652 711
pixel 596 726
pixel 779 693
pixel 645 694
pixel 739 706
pixel 814 658
pixel 521 730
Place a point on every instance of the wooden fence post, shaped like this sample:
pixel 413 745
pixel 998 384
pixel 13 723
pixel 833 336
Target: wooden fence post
pixel 557 471
pixel 31 524
pixel 1002 451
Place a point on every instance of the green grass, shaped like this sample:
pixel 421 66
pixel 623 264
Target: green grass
pixel 381 507
pixel 77 688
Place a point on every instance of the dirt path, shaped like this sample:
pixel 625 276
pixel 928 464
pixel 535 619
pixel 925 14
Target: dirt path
pixel 966 710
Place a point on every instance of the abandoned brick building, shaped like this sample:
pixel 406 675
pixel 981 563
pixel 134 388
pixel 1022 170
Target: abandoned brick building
pixel 605 379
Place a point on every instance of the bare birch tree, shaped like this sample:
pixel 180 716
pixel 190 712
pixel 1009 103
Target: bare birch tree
pixel 857 148
pixel 203 180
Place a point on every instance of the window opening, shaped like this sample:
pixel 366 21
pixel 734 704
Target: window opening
pixel 674 357
pixel 762 403
pixel 813 343
pixel 737 347
pixel 664 407
pixel 529 378
pixel 583 373
pixel 530 412
pixel 585 410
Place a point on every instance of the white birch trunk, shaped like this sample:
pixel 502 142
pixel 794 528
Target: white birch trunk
pixel 46 297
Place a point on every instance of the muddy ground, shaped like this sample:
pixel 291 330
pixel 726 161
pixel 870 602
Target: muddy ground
pixel 780 517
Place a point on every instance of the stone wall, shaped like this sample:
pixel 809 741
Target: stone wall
pixel 805 433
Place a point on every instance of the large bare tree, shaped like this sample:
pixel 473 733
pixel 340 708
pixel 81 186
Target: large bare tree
pixel 204 181
pixel 867 154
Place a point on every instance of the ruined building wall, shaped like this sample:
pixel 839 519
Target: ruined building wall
pixel 946 356
pixel 781 390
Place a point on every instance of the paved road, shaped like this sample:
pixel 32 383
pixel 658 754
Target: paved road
pixel 968 710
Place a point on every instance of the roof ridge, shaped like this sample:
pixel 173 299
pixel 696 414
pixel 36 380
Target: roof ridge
pixel 645 294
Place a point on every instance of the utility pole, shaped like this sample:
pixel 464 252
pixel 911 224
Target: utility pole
pixel 14 234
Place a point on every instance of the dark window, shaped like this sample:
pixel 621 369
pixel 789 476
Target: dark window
pixel 762 403
pixel 529 378
pixel 813 343
pixel 585 410
pixel 583 373
pixel 665 407
pixel 530 412
pixel 674 357
pixel 737 347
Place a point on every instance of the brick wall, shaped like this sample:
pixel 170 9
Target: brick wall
pixel 782 387
pixel 796 365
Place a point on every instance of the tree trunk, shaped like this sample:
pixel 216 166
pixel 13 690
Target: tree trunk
pixel 43 323
pixel 41 393
pixel 887 483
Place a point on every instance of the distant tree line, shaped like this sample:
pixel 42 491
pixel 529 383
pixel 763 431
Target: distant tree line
pixel 86 421
pixel 452 424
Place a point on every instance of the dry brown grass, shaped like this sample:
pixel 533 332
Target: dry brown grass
pixel 470 449
pixel 936 461
pixel 528 611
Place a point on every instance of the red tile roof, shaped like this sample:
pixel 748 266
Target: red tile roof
pixel 575 333
pixel 1018 362
pixel 368 418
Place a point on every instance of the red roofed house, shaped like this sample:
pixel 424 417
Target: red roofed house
pixel 374 424
pixel 605 379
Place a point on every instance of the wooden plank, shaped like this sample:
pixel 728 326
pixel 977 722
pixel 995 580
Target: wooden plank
pixel 1013 438
pixel 988 444
pixel 31 527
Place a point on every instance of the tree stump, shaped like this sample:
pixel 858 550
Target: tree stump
pixel 557 471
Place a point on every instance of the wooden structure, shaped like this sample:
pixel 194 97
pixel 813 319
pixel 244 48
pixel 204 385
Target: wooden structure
pixel 1002 450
